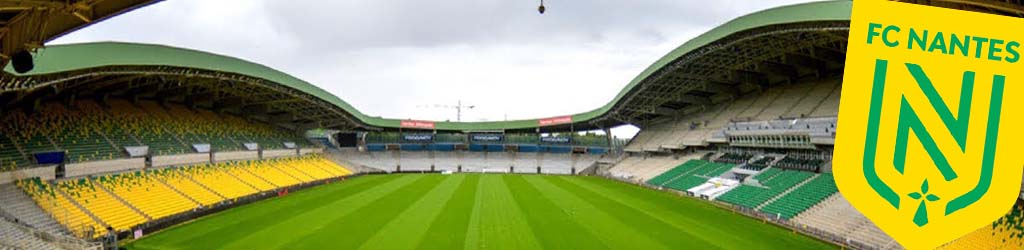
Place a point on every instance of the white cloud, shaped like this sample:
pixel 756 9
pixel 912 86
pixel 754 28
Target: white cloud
pixel 388 57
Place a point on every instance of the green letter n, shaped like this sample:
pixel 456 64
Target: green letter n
pixel 909 120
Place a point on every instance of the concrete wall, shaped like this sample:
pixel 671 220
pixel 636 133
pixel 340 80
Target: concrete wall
pixel 46 173
pixel 235 156
pixel 267 154
pixel 95 167
pixel 311 150
pixel 182 159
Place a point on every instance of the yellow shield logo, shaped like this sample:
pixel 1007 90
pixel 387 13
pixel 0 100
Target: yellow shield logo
pixel 930 115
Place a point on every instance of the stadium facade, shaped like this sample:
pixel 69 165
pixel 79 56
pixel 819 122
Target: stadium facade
pixel 743 116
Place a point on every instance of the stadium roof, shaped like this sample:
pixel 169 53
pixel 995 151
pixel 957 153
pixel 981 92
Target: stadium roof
pixel 27 25
pixel 774 46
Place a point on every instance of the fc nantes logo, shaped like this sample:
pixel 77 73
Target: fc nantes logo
pixel 929 143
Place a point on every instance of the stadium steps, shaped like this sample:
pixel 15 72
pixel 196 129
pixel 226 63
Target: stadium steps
pixel 797 102
pixel 14 236
pixel 175 136
pixel 118 198
pixel 175 189
pixel 758 174
pixel 245 182
pixel 297 172
pixel 835 91
pixel 692 171
pixel 21 150
pixel 106 139
pixel 108 111
pixel 784 193
pixel 674 172
pixel 252 172
pixel 288 172
pixel 72 201
pixel 770 105
pixel 52 142
pixel 204 186
pixel 18 204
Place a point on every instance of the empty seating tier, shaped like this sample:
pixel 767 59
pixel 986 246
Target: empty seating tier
pixel 774 181
pixel 101 203
pixel 91 131
pixel 699 175
pixel 802 198
pixel 60 208
pixel 147 193
pixel 126 200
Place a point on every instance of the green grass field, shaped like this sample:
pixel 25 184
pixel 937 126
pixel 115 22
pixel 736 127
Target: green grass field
pixel 473 211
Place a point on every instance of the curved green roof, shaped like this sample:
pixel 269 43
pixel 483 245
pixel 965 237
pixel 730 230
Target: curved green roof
pixel 61 58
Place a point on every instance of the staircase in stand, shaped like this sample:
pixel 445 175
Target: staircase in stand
pixel 18 204
pixel 777 197
pixel 118 198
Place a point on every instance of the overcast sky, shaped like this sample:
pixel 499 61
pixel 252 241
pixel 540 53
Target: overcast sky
pixel 403 58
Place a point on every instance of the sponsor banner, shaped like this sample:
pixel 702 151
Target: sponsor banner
pixel 136 151
pixel 487 137
pixel 417 137
pixel 556 139
pixel 417 124
pixel 930 117
pixel 554 121
pixel 55 157
pixel 201 147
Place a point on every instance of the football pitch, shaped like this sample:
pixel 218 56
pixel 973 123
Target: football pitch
pixel 478 211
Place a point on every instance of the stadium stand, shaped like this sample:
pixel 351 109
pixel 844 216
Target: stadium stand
pixel 20 206
pixel 690 174
pixel 698 176
pixel 217 179
pixel 101 203
pixel 125 200
pixel 14 236
pixel 184 184
pixel 88 131
pixel 836 217
pixel 806 107
pixel 1005 233
pixel 802 198
pixel 773 182
pixel 59 208
pixel 144 191
pixel 641 169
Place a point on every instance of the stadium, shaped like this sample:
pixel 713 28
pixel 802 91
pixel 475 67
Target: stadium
pixel 113 145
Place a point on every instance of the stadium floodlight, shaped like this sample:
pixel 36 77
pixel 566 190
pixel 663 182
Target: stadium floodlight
pixel 541 7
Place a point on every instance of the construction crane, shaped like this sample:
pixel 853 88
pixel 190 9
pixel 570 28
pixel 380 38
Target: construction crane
pixel 458 108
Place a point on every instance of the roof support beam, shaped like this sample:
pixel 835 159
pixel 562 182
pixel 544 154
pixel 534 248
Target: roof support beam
pixel 828 55
pixel 778 69
pixel 804 61
pixel 693 99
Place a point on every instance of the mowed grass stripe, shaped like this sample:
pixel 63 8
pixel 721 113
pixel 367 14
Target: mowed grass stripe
pixel 610 219
pixel 476 211
pixel 315 216
pixel 413 223
pixel 354 228
pixel 449 229
pixel 498 221
pixel 553 227
pixel 225 224
pixel 657 228
pixel 728 229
